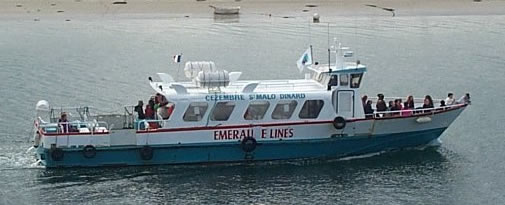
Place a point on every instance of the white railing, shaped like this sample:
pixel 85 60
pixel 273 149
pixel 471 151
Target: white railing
pixel 74 127
pixel 411 112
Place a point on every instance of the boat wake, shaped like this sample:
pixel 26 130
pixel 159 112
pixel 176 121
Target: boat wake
pixel 361 156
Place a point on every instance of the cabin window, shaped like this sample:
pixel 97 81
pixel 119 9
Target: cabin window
pixel 222 111
pixel 195 111
pixel 356 80
pixel 284 109
pixel 333 80
pixel 344 80
pixel 311 109
pixel 256 110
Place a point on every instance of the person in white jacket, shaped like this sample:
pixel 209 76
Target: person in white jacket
pixel 450 99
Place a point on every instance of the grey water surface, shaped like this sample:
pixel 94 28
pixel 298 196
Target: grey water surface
pixel 105 63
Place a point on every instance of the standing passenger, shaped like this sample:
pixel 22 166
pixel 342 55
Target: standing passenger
pixel 381 104
pixel 140 110
pixel 368 109
pixel 63 122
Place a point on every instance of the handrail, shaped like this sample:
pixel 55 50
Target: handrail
pixel 419 100
pixel 139 122
pixel 89 124
pixel 411 112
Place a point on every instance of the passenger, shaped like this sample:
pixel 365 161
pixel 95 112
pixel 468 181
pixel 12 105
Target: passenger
pixel 406 111
pixel 364 100
pixel 63 123
pixel 140 110
pixel 150 115
pixel 149 112
pixel 333 82
pixel 428 102
pixel 166 111
pixel 465 99
pixel 450 99
pixel 368 109
pixel 409 104
pixel 397 106
pixel 381 104
pixel 442 103
pixel 160 101
pixel 391 106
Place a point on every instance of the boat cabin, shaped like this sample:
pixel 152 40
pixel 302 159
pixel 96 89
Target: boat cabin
pixel 214 98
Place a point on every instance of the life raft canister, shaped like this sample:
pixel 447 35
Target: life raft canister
pixel 146 153
pixel 339 123
pixel 57 154
pixel 248 144
pixel 89 151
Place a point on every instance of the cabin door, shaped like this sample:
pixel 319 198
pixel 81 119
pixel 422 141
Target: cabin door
pixel 344 103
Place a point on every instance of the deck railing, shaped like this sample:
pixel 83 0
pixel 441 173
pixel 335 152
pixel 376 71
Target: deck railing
pixel 80 127
pixel 418 110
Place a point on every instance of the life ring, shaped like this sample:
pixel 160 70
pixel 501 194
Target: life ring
pixel 57 154
pixel 146 153
pixel 248 144
pixel 89 151
pixel 339 123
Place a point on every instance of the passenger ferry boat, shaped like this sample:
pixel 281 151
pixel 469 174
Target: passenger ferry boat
pixel 217 118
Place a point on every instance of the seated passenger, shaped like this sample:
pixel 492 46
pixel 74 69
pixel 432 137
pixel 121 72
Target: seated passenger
pixel 442 103
pixel 450 99
pixel 398 104
pixel 391 106
pixel 409 103
pixel 428 102
pixel 465 99
pixel 406 111
pixel 160 100
pixel 63 123
pixel 166 111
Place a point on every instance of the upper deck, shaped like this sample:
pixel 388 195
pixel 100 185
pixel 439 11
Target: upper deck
pixel 316 81
pixel 238 87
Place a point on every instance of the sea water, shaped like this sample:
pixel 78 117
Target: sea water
pixel 105 63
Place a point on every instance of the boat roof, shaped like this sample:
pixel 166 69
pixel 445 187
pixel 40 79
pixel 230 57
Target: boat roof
pixel 348 67
pixel 239 87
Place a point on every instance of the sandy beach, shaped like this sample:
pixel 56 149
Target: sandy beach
pixel 68 9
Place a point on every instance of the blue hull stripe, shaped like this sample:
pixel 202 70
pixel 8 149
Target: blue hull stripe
pixel 334 147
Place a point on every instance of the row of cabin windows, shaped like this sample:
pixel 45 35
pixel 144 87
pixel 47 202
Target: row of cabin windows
pixel 344 80
pixel 255 111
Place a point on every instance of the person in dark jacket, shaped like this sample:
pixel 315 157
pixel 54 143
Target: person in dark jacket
pixel 381 104
pixel 368 109
pixel 140 110
pixel 428 102
pixel 409 104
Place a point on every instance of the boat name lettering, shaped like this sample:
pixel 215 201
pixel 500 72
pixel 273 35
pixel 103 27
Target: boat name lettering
pixel 274 96
pixel 287 96
pixel 237 134
pixel 224 97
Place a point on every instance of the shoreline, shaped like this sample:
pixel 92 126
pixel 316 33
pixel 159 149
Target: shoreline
pixel 54 9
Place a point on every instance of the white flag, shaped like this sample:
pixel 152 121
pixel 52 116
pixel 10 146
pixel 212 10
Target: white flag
pixel 177 58
pixel 305 59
